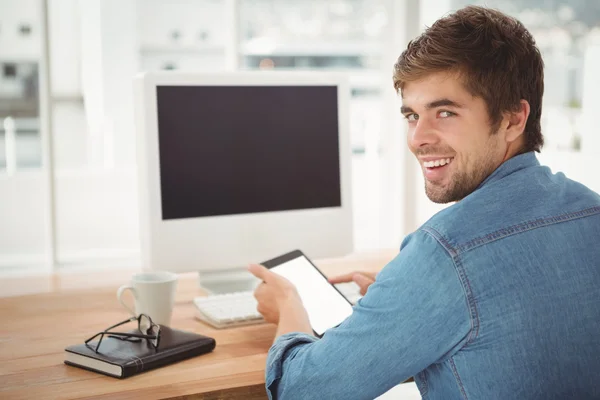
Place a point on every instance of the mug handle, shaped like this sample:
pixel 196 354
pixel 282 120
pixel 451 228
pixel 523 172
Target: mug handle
pixel 120 292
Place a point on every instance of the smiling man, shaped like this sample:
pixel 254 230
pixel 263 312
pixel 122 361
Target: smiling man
pixel 445 125
pixel 498 295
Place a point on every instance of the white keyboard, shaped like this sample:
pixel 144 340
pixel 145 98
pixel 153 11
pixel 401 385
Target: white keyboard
pixel 228 310
pixel 239 308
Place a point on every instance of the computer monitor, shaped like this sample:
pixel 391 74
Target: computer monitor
pixel 239 167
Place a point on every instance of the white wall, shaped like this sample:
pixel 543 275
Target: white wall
pixel 96 212
pixel 14 46
pixel 574 165
pixel 109 60
pixel 202 41
pixel 23 216
pixel 590 141
pixel 199 23
pixel 23 201
pixel 65 46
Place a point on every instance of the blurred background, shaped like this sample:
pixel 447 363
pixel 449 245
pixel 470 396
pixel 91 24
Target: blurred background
pixel 68 195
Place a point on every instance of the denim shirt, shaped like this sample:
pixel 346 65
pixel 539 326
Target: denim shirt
pixel 495 297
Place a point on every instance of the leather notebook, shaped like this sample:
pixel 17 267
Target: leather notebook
pixel 122 358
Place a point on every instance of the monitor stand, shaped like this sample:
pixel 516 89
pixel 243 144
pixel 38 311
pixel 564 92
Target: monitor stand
pixel 227 281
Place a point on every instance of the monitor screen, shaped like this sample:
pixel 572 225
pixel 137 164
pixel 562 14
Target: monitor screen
pixel 227 150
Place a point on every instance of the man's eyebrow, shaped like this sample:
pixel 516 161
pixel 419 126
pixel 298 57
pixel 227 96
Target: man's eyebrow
pixel 405 109
pixel 433 104
pixel 443 103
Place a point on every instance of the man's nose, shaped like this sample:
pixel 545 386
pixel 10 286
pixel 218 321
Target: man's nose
pixel 422 134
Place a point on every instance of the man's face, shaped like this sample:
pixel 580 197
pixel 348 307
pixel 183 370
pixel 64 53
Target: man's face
pixel 450 134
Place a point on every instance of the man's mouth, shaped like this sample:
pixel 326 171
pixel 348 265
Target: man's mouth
pixel 440 162
pixel 436 170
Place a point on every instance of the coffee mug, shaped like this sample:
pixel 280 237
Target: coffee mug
pixel 154 294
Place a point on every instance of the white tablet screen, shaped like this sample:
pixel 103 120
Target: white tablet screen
pixel 325 306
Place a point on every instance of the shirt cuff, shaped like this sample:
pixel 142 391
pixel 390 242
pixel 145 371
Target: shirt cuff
pixel 277 354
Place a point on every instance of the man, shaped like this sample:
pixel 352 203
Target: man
pixel 495 297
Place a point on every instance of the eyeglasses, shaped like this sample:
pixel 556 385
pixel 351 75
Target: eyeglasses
pixel 149 331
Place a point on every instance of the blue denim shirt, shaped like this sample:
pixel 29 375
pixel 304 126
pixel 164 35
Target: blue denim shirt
pixel 495 297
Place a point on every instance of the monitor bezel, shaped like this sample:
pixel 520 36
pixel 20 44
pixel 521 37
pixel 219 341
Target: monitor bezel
pixel 193 244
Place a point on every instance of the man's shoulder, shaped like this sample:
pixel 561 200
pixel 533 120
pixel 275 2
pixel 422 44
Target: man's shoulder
pixel 528 196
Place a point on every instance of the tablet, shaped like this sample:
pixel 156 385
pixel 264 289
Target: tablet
pixel 325 305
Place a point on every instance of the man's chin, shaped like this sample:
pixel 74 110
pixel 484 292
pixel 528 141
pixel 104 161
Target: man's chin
pixel 437 194
pixel 439 200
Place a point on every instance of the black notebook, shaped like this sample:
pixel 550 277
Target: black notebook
pixel 122 358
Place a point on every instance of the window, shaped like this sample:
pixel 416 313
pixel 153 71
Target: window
pixel 24 197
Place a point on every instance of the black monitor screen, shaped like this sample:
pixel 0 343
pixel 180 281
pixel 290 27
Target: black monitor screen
pixel 247 149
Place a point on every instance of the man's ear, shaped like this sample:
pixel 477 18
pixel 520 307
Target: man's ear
pixel 515 122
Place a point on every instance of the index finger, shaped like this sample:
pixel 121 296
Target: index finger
pixel 260 272
pixel 342 278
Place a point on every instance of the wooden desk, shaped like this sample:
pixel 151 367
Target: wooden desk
pixel 65 309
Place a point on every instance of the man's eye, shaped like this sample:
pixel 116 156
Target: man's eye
pixel 412 117
pixel 446 114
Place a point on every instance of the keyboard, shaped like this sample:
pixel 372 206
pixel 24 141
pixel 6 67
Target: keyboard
pixel 228 310
pixel 239 308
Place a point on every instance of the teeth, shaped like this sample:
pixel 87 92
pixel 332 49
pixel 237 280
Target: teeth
pixel 437 163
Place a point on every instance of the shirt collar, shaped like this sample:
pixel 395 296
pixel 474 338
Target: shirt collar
pixel 510 166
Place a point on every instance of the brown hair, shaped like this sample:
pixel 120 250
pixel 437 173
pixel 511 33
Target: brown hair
pixel 494 54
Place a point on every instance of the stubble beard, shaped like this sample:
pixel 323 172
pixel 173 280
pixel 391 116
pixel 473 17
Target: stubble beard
pixel 462 183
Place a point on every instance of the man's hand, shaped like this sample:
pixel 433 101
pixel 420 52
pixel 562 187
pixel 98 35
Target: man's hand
pixel 273 292
pixel 279 302
pixel 362 279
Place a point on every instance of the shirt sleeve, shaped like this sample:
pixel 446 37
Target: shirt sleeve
pixel 414 315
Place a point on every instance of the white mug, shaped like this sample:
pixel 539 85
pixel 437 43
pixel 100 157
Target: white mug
pixel 154 294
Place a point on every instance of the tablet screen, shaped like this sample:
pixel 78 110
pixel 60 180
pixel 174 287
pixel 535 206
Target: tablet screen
pixel 325 306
